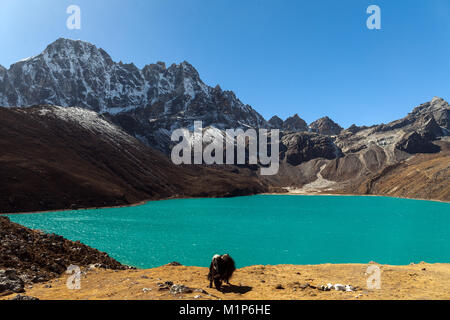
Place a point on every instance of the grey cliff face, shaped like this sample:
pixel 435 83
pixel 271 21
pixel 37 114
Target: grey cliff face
pixel 437 108
pixel 3 74
pixel 300 147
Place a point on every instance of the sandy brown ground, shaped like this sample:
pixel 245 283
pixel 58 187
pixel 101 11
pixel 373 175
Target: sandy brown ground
pixel 284 282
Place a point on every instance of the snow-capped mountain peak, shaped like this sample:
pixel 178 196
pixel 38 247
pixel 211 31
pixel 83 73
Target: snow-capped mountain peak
pixel 77 73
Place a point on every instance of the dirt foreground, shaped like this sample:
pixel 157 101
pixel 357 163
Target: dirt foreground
pixel 285 282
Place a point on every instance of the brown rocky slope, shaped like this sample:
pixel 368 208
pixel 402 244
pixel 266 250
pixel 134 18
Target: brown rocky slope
pixel 61 158
pixel 423 176
pixel 28 256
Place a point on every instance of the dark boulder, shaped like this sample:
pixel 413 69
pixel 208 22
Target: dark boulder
pixel 10 282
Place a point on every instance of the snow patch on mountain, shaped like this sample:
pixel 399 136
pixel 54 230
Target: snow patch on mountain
pixel 88 120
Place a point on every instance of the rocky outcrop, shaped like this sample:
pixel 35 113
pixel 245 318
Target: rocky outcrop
pixel 276 122
pixel 437 108
pixel 420 135
pixel 28 256
pixel 414 142
pixel 10 282
pixel 295 124
pixel 297 148
pixel 354 129
pixel 326 126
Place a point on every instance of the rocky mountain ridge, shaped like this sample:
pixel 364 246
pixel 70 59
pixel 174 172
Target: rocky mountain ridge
pixel 151 102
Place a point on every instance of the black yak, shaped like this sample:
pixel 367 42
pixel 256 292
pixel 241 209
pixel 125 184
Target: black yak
pixel 221 269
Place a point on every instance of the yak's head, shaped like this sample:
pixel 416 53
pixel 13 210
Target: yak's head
pixel 215 262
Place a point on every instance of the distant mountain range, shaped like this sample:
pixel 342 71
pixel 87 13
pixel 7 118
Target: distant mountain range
pixel 149 103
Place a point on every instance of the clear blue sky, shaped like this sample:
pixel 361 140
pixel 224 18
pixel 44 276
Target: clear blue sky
pixel 314 58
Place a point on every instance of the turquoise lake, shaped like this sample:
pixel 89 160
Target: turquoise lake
pixel 262 229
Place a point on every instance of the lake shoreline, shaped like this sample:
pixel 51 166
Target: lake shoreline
pixel 137 236
pixel 143 202
pixel 348 195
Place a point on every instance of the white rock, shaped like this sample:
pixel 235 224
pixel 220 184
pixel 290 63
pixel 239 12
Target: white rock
pixel 339 287
pixel 349 288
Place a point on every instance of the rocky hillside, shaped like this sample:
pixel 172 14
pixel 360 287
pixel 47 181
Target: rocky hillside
pixel 387 159
pixel 423 176
pixel 28 256
pixel 60 158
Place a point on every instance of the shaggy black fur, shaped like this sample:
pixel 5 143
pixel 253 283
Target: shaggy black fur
pixel 221 269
